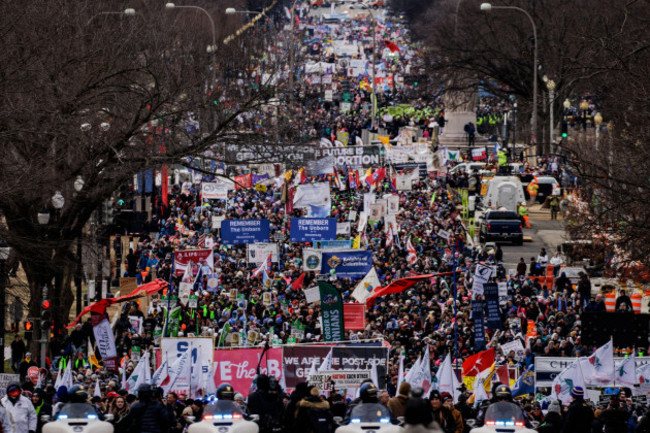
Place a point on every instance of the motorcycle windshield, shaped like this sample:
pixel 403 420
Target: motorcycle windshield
pixel 370 412
pixel 504 414
pixel 222 407
pixel 78 410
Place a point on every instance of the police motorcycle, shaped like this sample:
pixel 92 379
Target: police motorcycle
pixel 369 416
pixel 78 416
pixel 503 416
pixel 224 415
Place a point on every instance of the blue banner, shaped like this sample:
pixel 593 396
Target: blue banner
pixel 493 316
pixel 330 245
pixel 479 325
pixel 244 231
pixel 313 229
pixel 347 264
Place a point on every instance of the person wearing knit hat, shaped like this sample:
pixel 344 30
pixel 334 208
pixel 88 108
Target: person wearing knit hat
pixel 580 415
pixel 397 404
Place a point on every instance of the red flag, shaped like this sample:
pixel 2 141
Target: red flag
pixel 376 177
pixel 99 307
pixel 400 285
pixel 164 187
pixel 478 362
pixel 392 46
pixel 244 181
pixel 298 283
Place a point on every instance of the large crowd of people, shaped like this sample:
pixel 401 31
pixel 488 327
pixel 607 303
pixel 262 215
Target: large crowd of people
pixel 434 316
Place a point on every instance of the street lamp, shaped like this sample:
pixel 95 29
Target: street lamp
pixel 550 85
pixel 5 250
pixel 127 12
pixel 43 217
pixel 79 184
pixel 584 106
pixel 233 11
pixel 487 7
pixel 212 49
pixel 598 119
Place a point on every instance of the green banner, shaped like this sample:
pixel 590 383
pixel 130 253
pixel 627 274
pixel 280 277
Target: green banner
pixel 332 312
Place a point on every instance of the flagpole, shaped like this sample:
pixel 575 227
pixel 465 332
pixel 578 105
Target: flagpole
pixel 169 296
pixel 453 261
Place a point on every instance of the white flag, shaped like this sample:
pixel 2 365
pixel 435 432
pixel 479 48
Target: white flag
pixel 66 379
pixel 400 371
pixel 643 374
pixel 410 375
pixel 479 391
pixel 160 375
pixel 140 373
pixel 587 369
pixel 366 287
pixel 374 376
pixel 412 255
pixel 447 380
pixel 180 367
pixel 603 363
pixel 564 382
pixel 327 362
pixel 98 390
pixel 626 371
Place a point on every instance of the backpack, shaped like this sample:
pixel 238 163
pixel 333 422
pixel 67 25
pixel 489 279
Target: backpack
pixel 321 420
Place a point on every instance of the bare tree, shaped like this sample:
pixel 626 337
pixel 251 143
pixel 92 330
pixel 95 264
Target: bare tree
pixel 101 97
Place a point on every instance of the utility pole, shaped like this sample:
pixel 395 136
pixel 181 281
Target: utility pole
pixel 373 98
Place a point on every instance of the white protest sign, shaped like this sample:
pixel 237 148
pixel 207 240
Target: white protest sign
pixel 481 276
pixel 515 346
pixel 214 191
pixel 312 295
pixel 343 228
pixel 259 252
pixel 503 293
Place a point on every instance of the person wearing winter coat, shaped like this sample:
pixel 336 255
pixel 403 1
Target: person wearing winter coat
pixel 397 404
pixel 20 409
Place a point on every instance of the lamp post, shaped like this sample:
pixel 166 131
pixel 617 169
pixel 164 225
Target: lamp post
pixel 487 7
pixel 550 85
pixel 598 119
pixel 5 250
pixel 127 12
pixel 584 106
pixel 211 49
pixel 43 218
pixel 78 186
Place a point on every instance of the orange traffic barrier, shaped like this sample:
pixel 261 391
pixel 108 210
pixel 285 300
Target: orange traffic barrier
pixel 636 302
pixel 610 302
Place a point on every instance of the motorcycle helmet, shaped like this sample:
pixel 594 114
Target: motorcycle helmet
pixel 225 392
pixel 78 394
pixel 502 392
pixel 368 392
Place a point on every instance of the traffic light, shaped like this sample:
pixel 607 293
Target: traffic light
pixel 46 315
pixel 564 129
pixel 29 326
pixel 108 211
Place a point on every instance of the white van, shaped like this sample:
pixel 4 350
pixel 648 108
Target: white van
pixel 468 167
pixel 504 191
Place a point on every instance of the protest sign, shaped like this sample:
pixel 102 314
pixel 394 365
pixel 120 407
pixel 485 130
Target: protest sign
pixel 343 229
pixel 297 360
pixel 313 229
pixel 346 264
pixel 332 245
pixel 493 315
pixel 259 252
pixel 246 231
pixel 238 367
pixel 183 258
pixel 354 316
pixel 479 325
pixel 214 191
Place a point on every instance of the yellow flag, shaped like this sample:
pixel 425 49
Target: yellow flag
pixel 91 355
pixel 385 139
pixel 287 175
pixel 356 243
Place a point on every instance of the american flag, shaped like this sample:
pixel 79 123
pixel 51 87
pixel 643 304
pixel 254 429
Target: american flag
pixel 201 242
